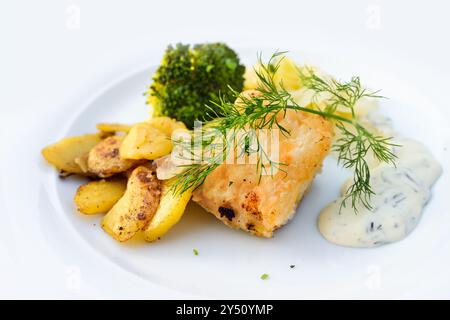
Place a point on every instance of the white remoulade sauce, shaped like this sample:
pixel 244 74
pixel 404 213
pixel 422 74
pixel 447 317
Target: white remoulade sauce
pixel 401 192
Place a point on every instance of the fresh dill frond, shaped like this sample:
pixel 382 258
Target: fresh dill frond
pixel 202 159
pixel 352 149
pixel 353 145
pixel 246 114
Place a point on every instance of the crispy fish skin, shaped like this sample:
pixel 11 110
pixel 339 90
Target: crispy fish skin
pixel 232 192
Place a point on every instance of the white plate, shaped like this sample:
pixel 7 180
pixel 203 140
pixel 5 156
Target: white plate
pixel 230 262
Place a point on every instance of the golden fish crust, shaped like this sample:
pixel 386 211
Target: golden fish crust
pixel 234 194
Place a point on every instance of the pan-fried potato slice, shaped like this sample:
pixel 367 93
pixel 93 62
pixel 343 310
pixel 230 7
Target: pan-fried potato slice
pixel 136 208
pixel 104 159
pixel 62 154
pixel 113 127
pixel 287 75
pixel 166 125
pixel 145 142
pixel 170 209
pixel 99 196
pixel 82 162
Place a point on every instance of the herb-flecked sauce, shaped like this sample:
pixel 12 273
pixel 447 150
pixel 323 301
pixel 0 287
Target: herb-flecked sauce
pixel 401 192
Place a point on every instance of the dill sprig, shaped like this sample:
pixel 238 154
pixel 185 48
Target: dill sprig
pixel 203 154
pixel 241 120
pixel 354 145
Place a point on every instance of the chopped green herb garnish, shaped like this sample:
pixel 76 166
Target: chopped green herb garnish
pixel 195 251
pixel 264 276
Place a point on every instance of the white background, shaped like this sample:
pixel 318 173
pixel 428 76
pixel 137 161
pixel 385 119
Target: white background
pixel 49 60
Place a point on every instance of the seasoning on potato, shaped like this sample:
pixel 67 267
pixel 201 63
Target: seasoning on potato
pixel 137 206
pixel 104 159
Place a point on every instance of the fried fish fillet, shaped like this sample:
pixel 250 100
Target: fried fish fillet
pixel 232 192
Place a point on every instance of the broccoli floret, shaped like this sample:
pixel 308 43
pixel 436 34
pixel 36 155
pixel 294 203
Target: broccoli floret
pixel 189 78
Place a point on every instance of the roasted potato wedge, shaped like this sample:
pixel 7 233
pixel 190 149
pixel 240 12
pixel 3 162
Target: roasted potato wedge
pixel 113 127
pixel 145 142
pixel 63 154
pixel 99 196
pixel 137 206
pixel 166 125
pixel 170 209
pixel 104 159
